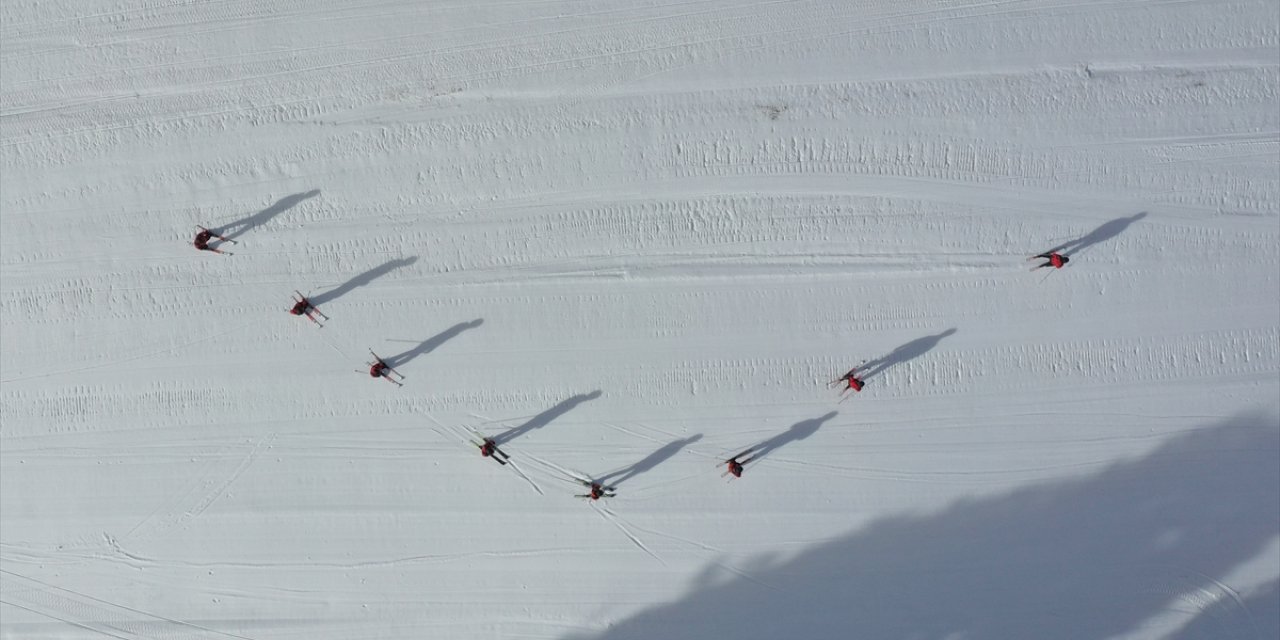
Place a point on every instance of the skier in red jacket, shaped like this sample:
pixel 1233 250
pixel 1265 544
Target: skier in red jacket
pixel 380 369
pixel 1055 260
pixel 489 449
pixel 735 467
pixel 852 381
pixel 303 306
pixel 597 491
pixel 203 238
pixel 736 464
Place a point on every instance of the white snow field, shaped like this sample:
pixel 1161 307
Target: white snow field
pixel 628 239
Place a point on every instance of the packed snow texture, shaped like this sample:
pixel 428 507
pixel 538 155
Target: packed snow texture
pixel 628 239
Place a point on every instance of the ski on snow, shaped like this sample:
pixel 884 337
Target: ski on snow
pixel 311 306
pixel 384 363
pixel 222 238
pixel 741 462
pixel 503 460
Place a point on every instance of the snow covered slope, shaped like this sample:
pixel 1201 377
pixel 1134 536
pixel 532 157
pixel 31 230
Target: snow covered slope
pixel 629 239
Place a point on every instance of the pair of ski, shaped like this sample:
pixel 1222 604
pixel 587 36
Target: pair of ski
pixel 605 492
pixel 846 393
pixel 741 462
pixel 309 308
pixel 222 238
pixel 385 368
pixel 498 454
pixel 1043 256
pixel 835 383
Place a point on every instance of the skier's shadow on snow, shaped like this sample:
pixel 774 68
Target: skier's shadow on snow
pixel 361 280
pixel 233 230
pixel 615 478
pixel 904 353
pixel 431 344
pixel 1107 231
pixel 544 418
pixel 798 431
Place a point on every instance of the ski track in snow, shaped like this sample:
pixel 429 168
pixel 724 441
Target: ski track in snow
pixel 613 519
pixel 95 614
pixel 641 236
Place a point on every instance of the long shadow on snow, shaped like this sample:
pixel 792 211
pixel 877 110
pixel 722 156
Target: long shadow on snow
pixel 615 478
pixel 544 418
pixel 431 344
pixel 1092 557
pixel 904 353
pixel 1106 231
pixel 233 230
pixel 361 280
pixel 798 431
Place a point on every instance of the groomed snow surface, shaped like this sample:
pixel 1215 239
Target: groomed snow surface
pixel 628 239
